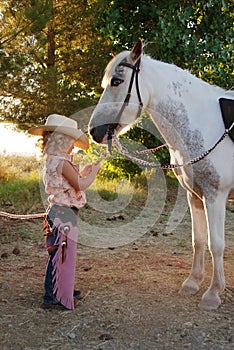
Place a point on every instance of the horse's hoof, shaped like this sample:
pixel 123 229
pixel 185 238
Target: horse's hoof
pixel 189 287
pixel 209 303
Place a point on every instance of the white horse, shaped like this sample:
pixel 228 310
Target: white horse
pixel 186 111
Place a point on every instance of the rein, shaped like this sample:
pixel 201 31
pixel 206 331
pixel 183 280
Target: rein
pixel 147 164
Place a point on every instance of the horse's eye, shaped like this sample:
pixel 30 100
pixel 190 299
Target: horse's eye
pixel 116 81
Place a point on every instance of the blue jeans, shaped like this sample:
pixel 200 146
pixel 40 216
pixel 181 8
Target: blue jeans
pixel 49 297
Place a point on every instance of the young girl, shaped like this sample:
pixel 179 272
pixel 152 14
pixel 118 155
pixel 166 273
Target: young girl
pixel 65 186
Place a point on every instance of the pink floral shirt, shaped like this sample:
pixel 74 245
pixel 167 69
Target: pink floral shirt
pixel 56 185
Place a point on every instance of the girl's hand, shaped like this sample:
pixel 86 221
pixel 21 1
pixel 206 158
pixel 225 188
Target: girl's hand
pixel 77 182
pixel 96 167
pixel 87 170
pixel 90 168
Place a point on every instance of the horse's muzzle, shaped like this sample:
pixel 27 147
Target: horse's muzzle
pixel 99 133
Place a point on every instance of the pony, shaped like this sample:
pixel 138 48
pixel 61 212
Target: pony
pixel 186 111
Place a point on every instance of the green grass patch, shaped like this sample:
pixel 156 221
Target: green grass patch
pixel 21 194
pixel 19 184
pixel 110 189
pixel 17 167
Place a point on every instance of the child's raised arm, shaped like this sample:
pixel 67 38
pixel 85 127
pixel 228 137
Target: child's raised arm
pixel 76 181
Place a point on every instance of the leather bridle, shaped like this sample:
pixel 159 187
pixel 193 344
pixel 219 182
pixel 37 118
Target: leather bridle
pixel 135 73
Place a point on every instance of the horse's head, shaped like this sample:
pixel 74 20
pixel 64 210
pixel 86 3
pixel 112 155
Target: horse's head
pixel 122 101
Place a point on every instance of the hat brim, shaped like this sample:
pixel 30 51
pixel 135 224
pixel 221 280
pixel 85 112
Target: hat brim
pixel 80 138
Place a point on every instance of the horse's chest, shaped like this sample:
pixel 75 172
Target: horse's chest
pixel 203 182
pixel 200 178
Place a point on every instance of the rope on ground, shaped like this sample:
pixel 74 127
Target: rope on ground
pixel 22 217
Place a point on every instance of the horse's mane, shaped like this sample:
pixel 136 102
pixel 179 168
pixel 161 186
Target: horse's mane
pixel 110 68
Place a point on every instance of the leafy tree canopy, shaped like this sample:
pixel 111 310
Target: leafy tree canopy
pixel 53 52
pixel 48 58
pixel 193 34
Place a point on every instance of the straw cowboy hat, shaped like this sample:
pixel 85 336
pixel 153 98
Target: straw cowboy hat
pixel 62 125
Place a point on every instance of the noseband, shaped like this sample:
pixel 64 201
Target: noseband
pixel 135 73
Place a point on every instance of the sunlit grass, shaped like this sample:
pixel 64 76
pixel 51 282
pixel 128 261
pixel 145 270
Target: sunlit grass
pixel 19 183
pixel 17 167
pixel 111 189
pixel 20 188
pixel 20 194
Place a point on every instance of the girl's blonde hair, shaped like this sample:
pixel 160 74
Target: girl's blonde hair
pixel 54 143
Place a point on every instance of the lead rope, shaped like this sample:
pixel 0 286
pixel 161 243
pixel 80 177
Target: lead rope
pixel 147 164
pixel 22 217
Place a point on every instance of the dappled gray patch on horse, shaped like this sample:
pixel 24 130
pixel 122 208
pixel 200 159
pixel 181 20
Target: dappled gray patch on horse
pixel 204 180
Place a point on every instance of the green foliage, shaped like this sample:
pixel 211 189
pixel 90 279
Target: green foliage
pixel 196 35
pixel 53 54
pixel 46 64
pixel 39 13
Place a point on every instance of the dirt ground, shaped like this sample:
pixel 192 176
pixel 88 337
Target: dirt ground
pixel 131 293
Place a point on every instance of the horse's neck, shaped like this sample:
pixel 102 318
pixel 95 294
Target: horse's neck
pixel 182 105
pixel 170 80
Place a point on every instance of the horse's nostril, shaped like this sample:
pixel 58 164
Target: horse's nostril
pixel 91 131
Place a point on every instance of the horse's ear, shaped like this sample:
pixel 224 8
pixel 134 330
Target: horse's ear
pixel 137 50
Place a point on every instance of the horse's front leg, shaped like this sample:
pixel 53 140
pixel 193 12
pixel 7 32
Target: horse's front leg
pixel 215 212
pixel 199 240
